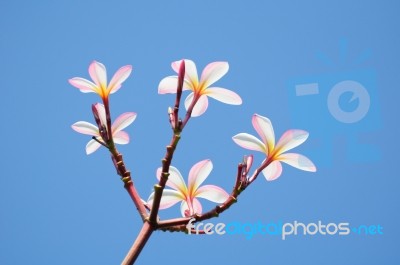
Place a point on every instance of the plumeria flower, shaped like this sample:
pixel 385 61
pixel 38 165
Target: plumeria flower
pixel 275 153
pixel 119 136
pixel 200 89
pixel 188 195
pixel 98 73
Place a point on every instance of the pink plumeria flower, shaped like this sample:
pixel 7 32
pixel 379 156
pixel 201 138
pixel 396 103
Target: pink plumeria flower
pixel 275 153
pixel 98 73
pixel 200 89
pixel 188 195
pixel 119 136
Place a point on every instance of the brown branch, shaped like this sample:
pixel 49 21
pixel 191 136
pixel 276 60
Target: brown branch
pixel 183 228
pixel 258 170
pixel 128 183
pixel 189 111
pixel 158 188
pixel 120 165
pixel 166 161
pixel 147 228
pixel 173 222
pixel 151 222
pixel 138 245
pixel 180 224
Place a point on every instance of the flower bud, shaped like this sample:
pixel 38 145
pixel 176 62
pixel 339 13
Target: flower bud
pixel 171 117
pixel 102 127
pixel 248 162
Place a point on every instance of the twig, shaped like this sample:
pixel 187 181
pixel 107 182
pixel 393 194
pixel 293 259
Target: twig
pixel 138 245
pixel 181 78
pixel 166 161
pixel 120 166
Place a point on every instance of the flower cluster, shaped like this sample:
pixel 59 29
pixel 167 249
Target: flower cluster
pixel 102 135
pixel 196 104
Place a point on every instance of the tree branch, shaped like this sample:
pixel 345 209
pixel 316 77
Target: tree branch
pixel 138 245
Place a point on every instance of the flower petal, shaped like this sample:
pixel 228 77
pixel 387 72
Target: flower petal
pixel 121 137
pixel 196 206
pixel 198 173
pixel 119 77
pixel 92 146
pixel 175 180
pixel 273 171
pixel 98 73
pixel 190 73
pixel 123 121
pixel 84 85
pixel 212 193
pixel 86 128
pixel 223 95
pixel 264 128
pixel 213 72
pixel 168 85
pixel 290 139
pixel 188 100
pixel 187 211
pixel 175 65
pixel 168 199
pixel 249 163
pixel 200 107
pixel 250 142
pixel 298 161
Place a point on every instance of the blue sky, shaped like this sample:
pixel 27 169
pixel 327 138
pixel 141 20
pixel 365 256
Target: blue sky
pixel 60 206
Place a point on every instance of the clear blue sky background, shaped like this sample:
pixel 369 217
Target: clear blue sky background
pixel 59 206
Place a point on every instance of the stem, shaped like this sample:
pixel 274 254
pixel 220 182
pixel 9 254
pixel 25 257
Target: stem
pixel 120 166
pixel 128 183
pixel 158 188
pixel 258 170
pixel 173 222
pixel 130 188
pixel 108 119
pixel 189 111
pixel 138 245
pixel 100 142
pixel 166 162
pixel 181 78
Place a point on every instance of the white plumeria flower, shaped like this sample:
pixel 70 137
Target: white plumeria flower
pixel 188 195
pixel 119 136
pixel 275 153
pixel 98 73
pixel 200 89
